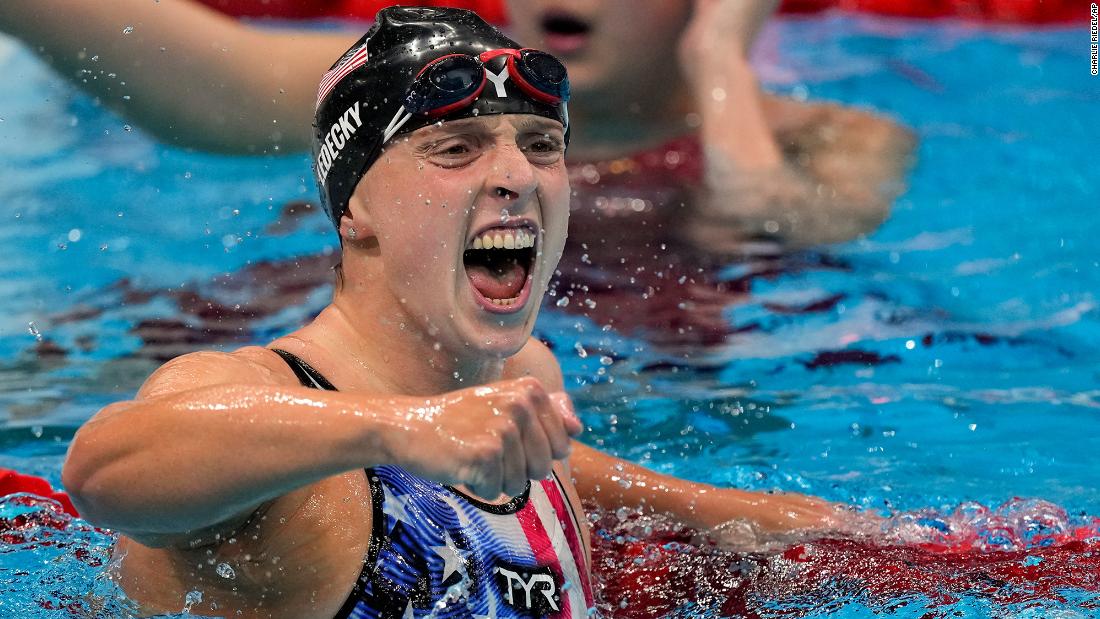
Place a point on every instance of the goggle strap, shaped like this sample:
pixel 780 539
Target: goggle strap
pixel 399 119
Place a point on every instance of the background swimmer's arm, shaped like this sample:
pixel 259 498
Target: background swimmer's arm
pixel 193 77
pixel 714 51
pixel 841 171
pixel 805 174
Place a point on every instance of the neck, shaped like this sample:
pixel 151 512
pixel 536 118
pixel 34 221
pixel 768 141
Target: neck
pixel 389 353
pixel 613 130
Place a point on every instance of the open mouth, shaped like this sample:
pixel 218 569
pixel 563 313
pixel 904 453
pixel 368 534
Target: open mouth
pixel 498 264
pixel 565 32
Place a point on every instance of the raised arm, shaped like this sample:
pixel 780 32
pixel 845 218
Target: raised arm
pixel 803 173
pixel 189 75
pixel 211 437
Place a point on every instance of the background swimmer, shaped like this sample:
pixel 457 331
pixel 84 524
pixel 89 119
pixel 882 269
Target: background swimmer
pixel 775 168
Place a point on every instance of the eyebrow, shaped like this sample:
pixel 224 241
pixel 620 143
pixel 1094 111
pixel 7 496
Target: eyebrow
pixel 468 125
pixel 540 124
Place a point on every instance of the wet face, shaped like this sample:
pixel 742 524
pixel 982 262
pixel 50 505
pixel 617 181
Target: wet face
pixel 470 217
pixel 608 45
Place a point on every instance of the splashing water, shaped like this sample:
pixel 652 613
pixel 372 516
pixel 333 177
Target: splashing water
pixel 649 567
pixel 51 562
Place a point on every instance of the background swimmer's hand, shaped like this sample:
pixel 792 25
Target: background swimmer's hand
pixel 718 26
pixel 491 439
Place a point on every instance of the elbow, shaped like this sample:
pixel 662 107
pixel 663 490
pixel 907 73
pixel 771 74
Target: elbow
pixel 79 477
pixel 87 471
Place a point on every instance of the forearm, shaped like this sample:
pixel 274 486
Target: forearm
pixel 190 75
pixel 733 122
pixel 611 483
pixel 183 462
pixel 841 171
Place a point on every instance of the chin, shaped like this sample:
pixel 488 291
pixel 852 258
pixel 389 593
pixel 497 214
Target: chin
pixel 502 344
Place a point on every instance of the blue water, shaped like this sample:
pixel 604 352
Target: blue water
pixel 976 303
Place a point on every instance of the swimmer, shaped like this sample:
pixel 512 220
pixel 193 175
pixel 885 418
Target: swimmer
pixel 411 448
pixel 648 71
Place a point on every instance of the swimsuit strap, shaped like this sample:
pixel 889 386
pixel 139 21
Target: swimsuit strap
pixel 305 372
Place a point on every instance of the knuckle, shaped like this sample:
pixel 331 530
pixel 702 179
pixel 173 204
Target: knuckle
pixel 532 387
pixel 508 428
pixel 539 469
pixel 487 453
pixel 521 407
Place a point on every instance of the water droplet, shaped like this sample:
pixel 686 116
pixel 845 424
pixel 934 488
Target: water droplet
pixel 581 352
pixel 562 302
pixel 225 571
pixel 127 128
pixel 189 600
pixel 74 235
pixel 37 431
pixel 127 30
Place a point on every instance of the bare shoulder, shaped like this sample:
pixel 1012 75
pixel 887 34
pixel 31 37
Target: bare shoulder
pixel 537 360
pixel 249 365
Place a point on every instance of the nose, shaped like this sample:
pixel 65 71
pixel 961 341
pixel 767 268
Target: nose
pixel 512 176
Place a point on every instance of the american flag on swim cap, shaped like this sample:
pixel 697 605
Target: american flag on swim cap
pixel 350 62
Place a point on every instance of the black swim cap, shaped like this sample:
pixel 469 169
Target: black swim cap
pixel 361 99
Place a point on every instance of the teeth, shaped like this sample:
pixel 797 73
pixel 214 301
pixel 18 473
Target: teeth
pixel 505 302
pixel 505 239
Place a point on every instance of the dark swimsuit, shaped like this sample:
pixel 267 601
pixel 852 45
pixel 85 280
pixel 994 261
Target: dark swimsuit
pixel 435 551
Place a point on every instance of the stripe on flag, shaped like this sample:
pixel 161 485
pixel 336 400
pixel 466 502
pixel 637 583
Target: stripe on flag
pixel 337 73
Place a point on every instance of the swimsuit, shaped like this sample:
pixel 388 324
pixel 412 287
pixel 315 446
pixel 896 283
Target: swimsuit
pixel 436 551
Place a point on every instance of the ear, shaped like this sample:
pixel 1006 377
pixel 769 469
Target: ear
pixel 356 223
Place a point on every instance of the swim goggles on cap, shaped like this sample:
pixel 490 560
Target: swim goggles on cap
pixel 455 81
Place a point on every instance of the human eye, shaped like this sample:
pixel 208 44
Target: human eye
pixel 543 148
pixel 453 152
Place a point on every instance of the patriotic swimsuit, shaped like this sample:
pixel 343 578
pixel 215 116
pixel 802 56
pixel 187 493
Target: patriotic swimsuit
pixel 437 552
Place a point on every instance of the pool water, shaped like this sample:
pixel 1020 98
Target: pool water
pixel 945 370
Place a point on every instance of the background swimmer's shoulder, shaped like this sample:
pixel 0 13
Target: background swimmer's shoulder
pixel 253 365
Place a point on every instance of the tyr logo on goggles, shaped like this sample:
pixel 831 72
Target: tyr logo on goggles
pixel 455 81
